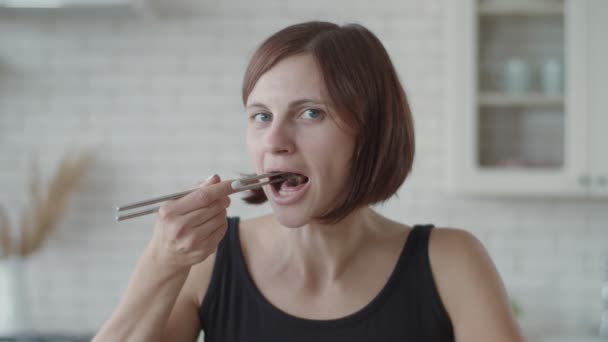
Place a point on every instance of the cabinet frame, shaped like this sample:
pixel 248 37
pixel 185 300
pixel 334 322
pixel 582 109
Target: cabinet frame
pixel 462 98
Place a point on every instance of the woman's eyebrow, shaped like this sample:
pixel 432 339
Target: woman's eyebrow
pixel 300 102
pixel 256 104
pixel 292 104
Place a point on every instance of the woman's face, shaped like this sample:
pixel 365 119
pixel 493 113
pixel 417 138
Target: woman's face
pixel 292 128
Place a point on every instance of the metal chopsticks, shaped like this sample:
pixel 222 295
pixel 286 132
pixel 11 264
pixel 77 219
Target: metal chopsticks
pixel 249 182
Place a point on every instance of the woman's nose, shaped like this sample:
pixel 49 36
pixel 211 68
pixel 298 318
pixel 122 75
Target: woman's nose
pixel 279 139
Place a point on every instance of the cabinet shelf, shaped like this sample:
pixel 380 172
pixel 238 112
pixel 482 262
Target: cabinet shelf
pixel 536 143
pixel 527 8
pixel 521 164
pixel 498 99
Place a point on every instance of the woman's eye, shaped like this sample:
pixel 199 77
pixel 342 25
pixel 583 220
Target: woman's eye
pixel 312 113
pixel 261 117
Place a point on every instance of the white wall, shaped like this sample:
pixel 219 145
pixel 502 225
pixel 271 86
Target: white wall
pixel 159 100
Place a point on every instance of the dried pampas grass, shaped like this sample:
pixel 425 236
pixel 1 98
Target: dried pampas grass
pixel 46 208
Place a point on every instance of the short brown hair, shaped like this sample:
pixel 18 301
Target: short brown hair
pixel 365 92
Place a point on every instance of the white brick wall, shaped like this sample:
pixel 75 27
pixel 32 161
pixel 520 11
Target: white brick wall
pixel 159 100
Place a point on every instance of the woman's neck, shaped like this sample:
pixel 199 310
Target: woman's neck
pixel 321 252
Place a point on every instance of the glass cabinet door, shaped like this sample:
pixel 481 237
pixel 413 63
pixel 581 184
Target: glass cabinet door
pixel 523 101
pixel 520 87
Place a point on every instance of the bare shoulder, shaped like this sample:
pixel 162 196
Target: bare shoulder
pixel 457 257
pixel 446 243
pixel 470 287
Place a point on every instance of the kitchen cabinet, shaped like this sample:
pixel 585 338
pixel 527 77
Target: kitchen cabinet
pixel 527 109
pixel 597 71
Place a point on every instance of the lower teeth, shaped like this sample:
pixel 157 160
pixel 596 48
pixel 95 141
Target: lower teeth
pixel 286 187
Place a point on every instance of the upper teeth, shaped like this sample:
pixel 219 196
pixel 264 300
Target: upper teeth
pixel 293 179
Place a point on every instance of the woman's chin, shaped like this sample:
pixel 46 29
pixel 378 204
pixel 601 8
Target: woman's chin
pixel 291 219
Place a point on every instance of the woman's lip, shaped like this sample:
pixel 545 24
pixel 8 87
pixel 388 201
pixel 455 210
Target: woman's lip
pixel 289 198
pixel 285 170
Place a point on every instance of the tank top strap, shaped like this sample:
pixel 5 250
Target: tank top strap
pixel 427 301
pixel 418 241
pixel 414 255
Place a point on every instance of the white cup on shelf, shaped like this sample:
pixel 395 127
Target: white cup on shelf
pixel 552 77
pixel 516 76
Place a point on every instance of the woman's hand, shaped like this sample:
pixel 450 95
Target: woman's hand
pixel 189 229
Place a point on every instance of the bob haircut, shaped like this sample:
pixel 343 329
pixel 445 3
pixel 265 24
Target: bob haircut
pixel 365 93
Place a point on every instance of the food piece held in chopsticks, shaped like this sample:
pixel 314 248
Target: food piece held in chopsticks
pixel 294 179
pixel 277 178
pixel 288 180
pixel 255 181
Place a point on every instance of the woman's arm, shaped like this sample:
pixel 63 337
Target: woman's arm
pixel 471 288
pixel 184 323
pixel 187 233
pixel 146 303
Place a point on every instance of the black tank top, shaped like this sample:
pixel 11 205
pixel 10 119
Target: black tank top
pixel 408 308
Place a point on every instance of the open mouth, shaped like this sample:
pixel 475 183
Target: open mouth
pixel 291 181
pixel 290 189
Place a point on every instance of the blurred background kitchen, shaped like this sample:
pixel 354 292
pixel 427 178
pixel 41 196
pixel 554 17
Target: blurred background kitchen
pixel 103 102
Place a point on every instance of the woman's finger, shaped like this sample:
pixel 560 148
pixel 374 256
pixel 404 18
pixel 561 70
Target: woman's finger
pixel 205 230
pixel 200 198
pixel 198 217
pixel 210 242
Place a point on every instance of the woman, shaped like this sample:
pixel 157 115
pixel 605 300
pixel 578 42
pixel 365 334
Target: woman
pixel 324 102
